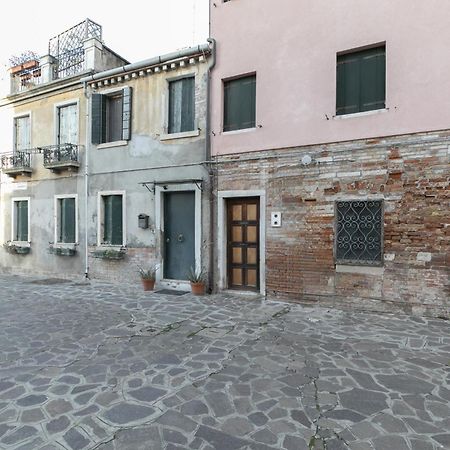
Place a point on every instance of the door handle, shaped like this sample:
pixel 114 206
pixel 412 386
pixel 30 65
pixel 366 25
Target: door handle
pixel 180 238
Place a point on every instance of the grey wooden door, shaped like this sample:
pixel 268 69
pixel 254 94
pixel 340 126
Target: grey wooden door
pixel 179 234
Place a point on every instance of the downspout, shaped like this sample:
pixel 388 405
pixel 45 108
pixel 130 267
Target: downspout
pixel 86 182
pixel 210 165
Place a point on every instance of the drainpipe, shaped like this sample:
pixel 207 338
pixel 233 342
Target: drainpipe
pixel 86 182
pixel 210 168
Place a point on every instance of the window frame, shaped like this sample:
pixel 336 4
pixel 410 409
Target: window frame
pixel 56 215
pixel 56 117
pixel 359 262
pixel 231 79
pixel 167 115
pixel 355 51
pixel 101 218
pixel 14 219
pixel 30 133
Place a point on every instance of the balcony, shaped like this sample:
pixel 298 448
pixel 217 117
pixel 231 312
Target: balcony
pixel 61 157
pixel 17 163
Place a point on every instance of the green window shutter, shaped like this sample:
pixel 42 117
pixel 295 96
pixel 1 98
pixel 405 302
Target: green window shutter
pixel 126 114
pixel 98 121
pixel 348 84
pixel 188 104
pixel 373 79
pixel 107 219
pixel 67 224
pixel 116 220
pixel 239 103
pixel 21 233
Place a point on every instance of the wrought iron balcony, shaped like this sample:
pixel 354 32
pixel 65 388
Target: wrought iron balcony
pixel 17 163
pixel 61 157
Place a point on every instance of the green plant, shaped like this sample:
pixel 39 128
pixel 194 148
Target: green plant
pixel 148 273
pixel 196 276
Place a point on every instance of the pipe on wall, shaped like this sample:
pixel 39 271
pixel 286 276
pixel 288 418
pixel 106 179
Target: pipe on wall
pixel 86 181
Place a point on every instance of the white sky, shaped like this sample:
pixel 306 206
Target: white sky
pixel 135 30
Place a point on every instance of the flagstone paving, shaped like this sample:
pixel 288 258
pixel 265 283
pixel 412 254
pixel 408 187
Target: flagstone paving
pixel 97 365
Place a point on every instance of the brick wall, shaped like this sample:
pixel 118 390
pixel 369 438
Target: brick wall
pixel 410 173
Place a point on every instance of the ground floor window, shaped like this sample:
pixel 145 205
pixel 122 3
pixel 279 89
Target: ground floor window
pixel 359 232
pixel 66 220
pixel 20 225
pixel 111 213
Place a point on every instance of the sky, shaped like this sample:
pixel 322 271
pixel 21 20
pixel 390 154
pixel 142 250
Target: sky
pixel 136 30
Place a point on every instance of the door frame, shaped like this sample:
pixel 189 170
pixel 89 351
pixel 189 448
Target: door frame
pixel 222 236
pixel 160 190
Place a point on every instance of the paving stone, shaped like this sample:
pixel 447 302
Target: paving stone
pixel 147 394
pixel 421 427
pixel 300 417
pixel 344 414
pixel 144 438
pixel 220 404
pixel 58 407
pixel 295 443
pixel 258 418
pixel 443 439
pixel 19 435
pixel 4 385
pixel 418 444
pixel 32 416
pixel 5 428
pixel 390 424
pixel 174 437
pixel 125 413
pixel 336 444
pixel 219 440
pixel 237 426
pixel 177 420
pixel 193 408
pixel 364 402
pixel 405 383
pixel 396 442
pixel 75 440
pixel 58 425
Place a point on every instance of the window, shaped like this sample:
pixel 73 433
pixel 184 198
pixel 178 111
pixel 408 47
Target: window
pixel 20 220
pixel 22 134
pixel 361 81
pixel 66 220
pixel 112 220
pixel 239 103
pixel 359 232
pixel 67 132
pixel 111 116
pixel 181 105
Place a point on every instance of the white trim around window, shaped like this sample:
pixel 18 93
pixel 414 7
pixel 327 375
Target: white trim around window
pixel 30 133
pixel 56 215
pixel 100 214
pixel 13 219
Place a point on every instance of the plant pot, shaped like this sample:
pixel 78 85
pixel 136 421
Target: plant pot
pixel 148 285
pixel 198 288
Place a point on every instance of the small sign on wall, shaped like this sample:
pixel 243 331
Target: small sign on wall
pixel 275 219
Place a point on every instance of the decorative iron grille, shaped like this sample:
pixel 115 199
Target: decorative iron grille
pixel 16 160
pixel 359 232
pixel 54 154
pixel 68 47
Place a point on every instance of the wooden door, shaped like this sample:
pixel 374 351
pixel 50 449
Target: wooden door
pixel 243 243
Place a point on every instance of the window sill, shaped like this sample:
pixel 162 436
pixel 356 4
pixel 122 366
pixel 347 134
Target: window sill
pixel 184 134
pixel 361 114
pixel 112 144
pixel 242 130
pixel 365 270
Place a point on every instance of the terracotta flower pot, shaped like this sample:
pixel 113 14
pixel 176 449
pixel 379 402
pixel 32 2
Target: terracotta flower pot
pixel 198 288
pixel 148 285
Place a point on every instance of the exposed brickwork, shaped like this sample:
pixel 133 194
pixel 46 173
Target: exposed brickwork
pixel 410 173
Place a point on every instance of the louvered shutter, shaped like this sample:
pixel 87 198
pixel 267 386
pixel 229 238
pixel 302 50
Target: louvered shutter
pixel 21 233
pixel 116 220
pixel 98 121
pixel 240 103
pixel 373 80
pixel 68 220
pixel 348 84
pixel 188 104
pixel 126 113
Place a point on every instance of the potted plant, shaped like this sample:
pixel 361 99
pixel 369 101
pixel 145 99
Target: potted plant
pixel 148 277
pixel 198 281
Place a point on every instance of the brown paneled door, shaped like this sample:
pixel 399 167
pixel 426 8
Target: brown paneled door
pixel 243 243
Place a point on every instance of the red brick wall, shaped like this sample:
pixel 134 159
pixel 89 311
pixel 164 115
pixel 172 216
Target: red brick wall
pixel 410 173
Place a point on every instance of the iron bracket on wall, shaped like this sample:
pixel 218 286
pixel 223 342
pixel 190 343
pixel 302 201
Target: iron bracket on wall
pixel 153 184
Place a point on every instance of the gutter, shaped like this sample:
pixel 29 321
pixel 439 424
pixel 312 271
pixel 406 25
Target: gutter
pixel 86 183
pixel 148 62
pixel 212 64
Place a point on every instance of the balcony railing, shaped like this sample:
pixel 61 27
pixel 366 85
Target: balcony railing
pixel 61 157
pixel 17 163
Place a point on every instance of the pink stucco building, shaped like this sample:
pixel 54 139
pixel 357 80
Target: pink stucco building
pixel 329 125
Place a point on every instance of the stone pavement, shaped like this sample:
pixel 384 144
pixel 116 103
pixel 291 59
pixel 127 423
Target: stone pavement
pixel 86 366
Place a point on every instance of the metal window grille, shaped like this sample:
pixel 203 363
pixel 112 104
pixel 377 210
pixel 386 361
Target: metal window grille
pixel 359 232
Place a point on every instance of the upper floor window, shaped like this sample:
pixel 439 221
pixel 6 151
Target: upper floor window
pixel 359 232
pixel 181 105
pixel 22 133
pixel 361 81
pixel 111 116
pixel 67 131
pixel 20 220
pixel 239 103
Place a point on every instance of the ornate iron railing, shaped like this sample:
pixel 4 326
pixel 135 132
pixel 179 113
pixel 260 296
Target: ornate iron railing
pixel 16 160
pixel 61 153
pixel 359 232
pixel 68 47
